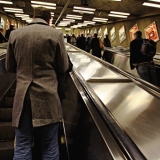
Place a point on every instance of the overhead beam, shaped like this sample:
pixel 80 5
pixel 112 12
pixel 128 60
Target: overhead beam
pixel 66 5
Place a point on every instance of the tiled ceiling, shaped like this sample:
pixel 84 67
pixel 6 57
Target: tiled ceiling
pixel 103 8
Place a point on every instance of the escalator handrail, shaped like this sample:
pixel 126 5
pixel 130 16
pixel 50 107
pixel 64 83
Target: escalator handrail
pixel 140 82
pixel 129 148
pixel 135 77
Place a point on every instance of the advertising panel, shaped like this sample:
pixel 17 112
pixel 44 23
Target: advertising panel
pixel 105 32
pixel 113 34
pixel 151 32
pixel 100 33
pixel 122 34
pixel 132 31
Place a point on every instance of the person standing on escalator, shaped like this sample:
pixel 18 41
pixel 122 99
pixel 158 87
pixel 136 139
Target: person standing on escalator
pixel 8 32
pixel 95 46
pixel 36 53
pixel 106 55
pixel 143 64
pixel 106 42
pixel 2 38
pixel 81 42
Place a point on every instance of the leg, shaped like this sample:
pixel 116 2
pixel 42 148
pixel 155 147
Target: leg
pixel 49 142
pixel 152 74
pixel 23 149
pixel 143 72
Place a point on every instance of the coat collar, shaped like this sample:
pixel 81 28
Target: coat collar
pixel 38 20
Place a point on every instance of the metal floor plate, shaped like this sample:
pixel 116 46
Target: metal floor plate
pixel 91 69
pixel 136 110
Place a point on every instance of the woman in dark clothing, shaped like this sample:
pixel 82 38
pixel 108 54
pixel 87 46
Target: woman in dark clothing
pixel 82 41
pixel 95 46
pixel 107 42
pixel 2 38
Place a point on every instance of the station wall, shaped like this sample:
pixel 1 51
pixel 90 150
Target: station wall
pixel 8 20
pixel 142 24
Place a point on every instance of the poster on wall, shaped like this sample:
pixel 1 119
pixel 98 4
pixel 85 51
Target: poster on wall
pixel 7 24
pixel 151 32
pixel 2 22
pixel 132 31
pixel 122 34
pixel 95 31
pixel 105 32
pixel 113 34
pixel 85 33
pixel 91 32
pixel 100 33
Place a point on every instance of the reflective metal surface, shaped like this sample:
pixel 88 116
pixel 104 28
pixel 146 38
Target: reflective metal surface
pixel 90 69
pixel 113 151
pixel 135 109
pixel 70 49
pixel 3 45
pixel 2 51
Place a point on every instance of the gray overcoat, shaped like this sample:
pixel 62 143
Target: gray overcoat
pixel 35 53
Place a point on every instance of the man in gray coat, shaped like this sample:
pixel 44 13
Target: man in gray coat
pixel 35 53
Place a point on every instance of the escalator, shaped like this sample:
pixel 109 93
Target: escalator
pixel 7 85
pixel 120 57
pixel 108 114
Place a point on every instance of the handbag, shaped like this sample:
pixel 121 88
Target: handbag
pixel 101 44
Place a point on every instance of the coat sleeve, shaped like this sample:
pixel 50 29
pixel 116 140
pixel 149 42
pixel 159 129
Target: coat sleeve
pixel 61 56
pixel 10 62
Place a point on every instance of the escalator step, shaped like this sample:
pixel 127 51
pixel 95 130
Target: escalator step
pixel 9 102
pixel 7 132
pixel 6 150
pixel 12 92
pixel 2 103
pixel 5 114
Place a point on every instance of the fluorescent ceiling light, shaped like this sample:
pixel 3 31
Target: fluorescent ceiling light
pixel 21 15
pixel 151 5
pixel 13 11
pixel 103 19
pixel 17 9
pixel 26 18
pixel 67 29
pixel 98 20
pixel 49 7
pixel 80 11
pixel 6 2
pixel 73 27
pixel 58 28
pixel 121 13
pixel 74 17
pixel 71 15
pixel 62 24
pixel 84 8
pixel 114 15
pixel 82 24
pixel 155 0
pixel 89 22
pixel 65 19
pixel 44 3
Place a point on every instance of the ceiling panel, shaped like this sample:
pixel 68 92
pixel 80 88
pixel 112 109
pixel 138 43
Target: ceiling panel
pixel 103 7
